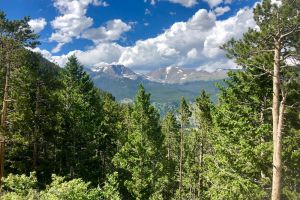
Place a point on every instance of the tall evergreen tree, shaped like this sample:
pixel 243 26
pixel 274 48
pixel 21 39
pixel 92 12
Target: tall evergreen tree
pixel 238 165
pixel 14 35
pixel 32 115
pixel 184 115
pixel 200 141
pixel 114 129
pixel 80 125
pixel 141 155
pixel 170 130
pixel 277 37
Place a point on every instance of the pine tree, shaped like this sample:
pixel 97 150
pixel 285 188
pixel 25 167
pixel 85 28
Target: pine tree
pixel 80 125
pixel 170 130
pixel 291 144
pixel 113 127
pixel 278 38
pixel 201 142
pixel 14 35
pixel 110 189
pixel 32 116
pixel 238 165
pixel 184 115
pixel 141 155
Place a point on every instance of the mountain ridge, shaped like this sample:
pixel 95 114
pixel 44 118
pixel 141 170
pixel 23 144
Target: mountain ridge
pixel 123 83
pixel 176 74
pixel 169 75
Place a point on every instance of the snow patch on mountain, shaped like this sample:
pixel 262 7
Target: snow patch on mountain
pixel 170 75
pixel 119 71
pixel 175 74
pixel 168 69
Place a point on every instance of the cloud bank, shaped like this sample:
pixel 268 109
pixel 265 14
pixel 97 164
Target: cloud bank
pixel 191 3
pixel 73 23
pixel 193 43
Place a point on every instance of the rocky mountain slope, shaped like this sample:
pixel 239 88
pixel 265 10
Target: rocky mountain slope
pixel 179 75
pixel 122 82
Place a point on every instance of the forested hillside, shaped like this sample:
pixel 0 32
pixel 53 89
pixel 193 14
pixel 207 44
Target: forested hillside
pixel 63 138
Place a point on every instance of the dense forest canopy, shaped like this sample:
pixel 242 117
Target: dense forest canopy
pixel 63 138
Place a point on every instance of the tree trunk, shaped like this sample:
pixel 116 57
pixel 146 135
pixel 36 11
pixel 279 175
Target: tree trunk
pixel 262 121
pixel 277 115
pixel 4 120
pixel 169 146
pixel 180 161
pixel 36 126
pixel 201 168
pixel 168 151
pixel 5 98
pixel 2 143
pixel 35 149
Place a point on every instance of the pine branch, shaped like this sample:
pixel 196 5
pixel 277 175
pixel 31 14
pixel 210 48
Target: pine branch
pixel 294 30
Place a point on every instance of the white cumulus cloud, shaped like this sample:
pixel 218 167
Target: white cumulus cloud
pixel 193 53
pixel 101 53
pixel 72 21
pixel 169 47
pixel 191 3
pixel 185 3
pixel 221 10
pixel 111 32
pixel 193 43
pixel 37 25
pixel 213 3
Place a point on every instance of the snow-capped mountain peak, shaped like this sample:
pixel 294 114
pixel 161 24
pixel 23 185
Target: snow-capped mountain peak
pixel 171 74
pixel 175 74
pixel 119 71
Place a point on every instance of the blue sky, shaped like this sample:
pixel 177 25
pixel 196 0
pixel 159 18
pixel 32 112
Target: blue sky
pixel 141 34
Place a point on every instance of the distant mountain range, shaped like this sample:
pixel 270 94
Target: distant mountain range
pixel 165 85
pixel 170 75
pixel 179 75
